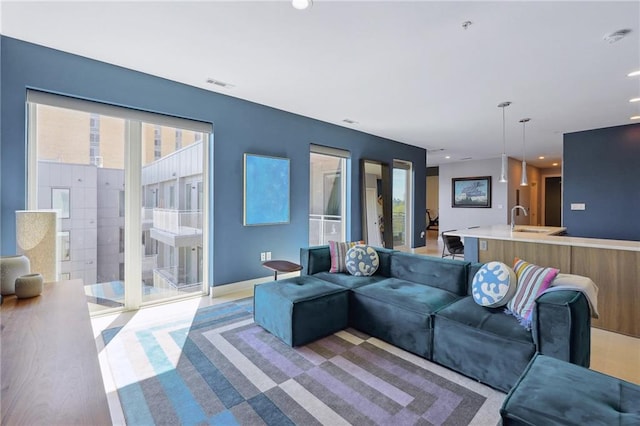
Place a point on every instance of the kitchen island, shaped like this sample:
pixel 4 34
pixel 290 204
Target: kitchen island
pixel 614 265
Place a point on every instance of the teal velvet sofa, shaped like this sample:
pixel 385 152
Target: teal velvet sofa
pixel 424 305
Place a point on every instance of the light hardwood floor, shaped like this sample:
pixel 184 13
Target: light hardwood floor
pixel 611 353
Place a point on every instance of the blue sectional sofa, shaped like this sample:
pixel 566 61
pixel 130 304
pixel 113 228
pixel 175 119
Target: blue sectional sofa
pixel 424 305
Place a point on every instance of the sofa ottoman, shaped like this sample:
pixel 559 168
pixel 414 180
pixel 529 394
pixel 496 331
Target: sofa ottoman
pixel 302 309
pixel 554 392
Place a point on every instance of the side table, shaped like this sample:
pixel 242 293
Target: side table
pixel 283 266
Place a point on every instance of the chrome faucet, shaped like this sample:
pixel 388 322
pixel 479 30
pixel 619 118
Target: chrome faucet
pixel 513 215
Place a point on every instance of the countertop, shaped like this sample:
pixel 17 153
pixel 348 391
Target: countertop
pixel 543 234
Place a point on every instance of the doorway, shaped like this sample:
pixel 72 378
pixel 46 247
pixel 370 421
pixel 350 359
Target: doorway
pixel 553 201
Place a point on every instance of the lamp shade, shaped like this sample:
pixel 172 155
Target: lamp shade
pixel 505 162
pixel 37 238
pixel 523 180
pixel 503 169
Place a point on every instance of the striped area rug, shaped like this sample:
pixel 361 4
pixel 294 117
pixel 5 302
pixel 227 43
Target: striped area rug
pixel 218 367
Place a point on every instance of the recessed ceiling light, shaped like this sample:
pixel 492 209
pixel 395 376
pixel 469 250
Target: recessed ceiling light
pixel 555 164
pixel 635 117
pixel 447 156
pixel 616 35
pixel 634 100
pixel 302 4
pixel 633 74
pixel 541 158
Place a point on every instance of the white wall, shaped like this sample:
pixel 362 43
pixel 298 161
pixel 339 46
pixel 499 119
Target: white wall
pixel 459 218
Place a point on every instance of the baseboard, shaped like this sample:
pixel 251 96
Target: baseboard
pixel 224 290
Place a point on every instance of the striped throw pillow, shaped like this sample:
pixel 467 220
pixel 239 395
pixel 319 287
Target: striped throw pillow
pixel 338 251
pixel 532 281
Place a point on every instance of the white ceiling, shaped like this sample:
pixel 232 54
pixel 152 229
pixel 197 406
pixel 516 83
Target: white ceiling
pixel 407 71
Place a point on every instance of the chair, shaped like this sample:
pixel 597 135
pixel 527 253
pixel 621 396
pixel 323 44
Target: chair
pixel 452 244
pixel 431 222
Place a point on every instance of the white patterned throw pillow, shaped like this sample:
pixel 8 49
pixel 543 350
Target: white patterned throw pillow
pixel 362 261
pixel 494 285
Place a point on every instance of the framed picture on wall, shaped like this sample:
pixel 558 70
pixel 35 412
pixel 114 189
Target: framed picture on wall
pixel 471 192
pixel 266 190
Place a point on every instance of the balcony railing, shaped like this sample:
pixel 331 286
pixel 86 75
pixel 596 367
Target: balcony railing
pixel 175 278
pixel 180 222
pixel 323 228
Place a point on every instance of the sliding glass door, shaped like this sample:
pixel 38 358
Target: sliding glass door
pixel 129 189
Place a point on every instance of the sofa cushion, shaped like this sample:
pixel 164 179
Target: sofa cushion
pixel 482 343
pixel 398 312
pixel 362 261
pixel 338 251
pixel 408 295
pixel 348 281
pixel 446 274
pixel 494 285
pixel 533 280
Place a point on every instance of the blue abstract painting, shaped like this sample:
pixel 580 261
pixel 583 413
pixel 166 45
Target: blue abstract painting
pixel 266 190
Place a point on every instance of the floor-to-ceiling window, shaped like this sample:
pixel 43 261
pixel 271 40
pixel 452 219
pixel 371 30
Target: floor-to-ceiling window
pixel 129 188
pixel 327 195
pixel 402 195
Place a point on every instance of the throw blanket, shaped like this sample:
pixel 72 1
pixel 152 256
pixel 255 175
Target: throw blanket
pixel 578 283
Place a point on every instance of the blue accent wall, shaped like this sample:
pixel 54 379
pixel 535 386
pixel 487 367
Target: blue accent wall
pixel 602 169
pixel 239 126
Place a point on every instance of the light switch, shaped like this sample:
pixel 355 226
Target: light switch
pixel 578 206
pixel 483 245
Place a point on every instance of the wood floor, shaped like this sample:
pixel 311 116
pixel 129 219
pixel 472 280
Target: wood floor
pixel 611 353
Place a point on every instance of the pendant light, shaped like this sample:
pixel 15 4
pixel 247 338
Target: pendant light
pixel 503 170
pixel 523 180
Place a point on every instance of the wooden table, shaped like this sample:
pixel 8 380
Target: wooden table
pixel 50 369
pixel 283 266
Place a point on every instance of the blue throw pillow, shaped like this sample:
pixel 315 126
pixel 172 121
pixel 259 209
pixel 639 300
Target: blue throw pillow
pixel 362 261
pixel 494 285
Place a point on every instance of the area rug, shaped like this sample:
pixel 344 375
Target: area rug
pixel 219 367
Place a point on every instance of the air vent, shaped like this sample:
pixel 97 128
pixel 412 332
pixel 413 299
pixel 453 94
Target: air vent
pixel 219 83
pixel 349 121
pixel 465 158
pixel 616 35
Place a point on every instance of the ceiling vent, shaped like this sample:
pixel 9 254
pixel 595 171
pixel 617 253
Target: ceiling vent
pixel 219 83
pixel 349 121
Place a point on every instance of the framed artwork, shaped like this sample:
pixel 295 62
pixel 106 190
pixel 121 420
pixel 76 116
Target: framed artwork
pixel 266 190
pixel 471 192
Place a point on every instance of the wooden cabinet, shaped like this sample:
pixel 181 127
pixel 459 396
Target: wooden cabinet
pixel 615 272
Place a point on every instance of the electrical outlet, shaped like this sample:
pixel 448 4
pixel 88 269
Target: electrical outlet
pixel 268 255
pixel 263 256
